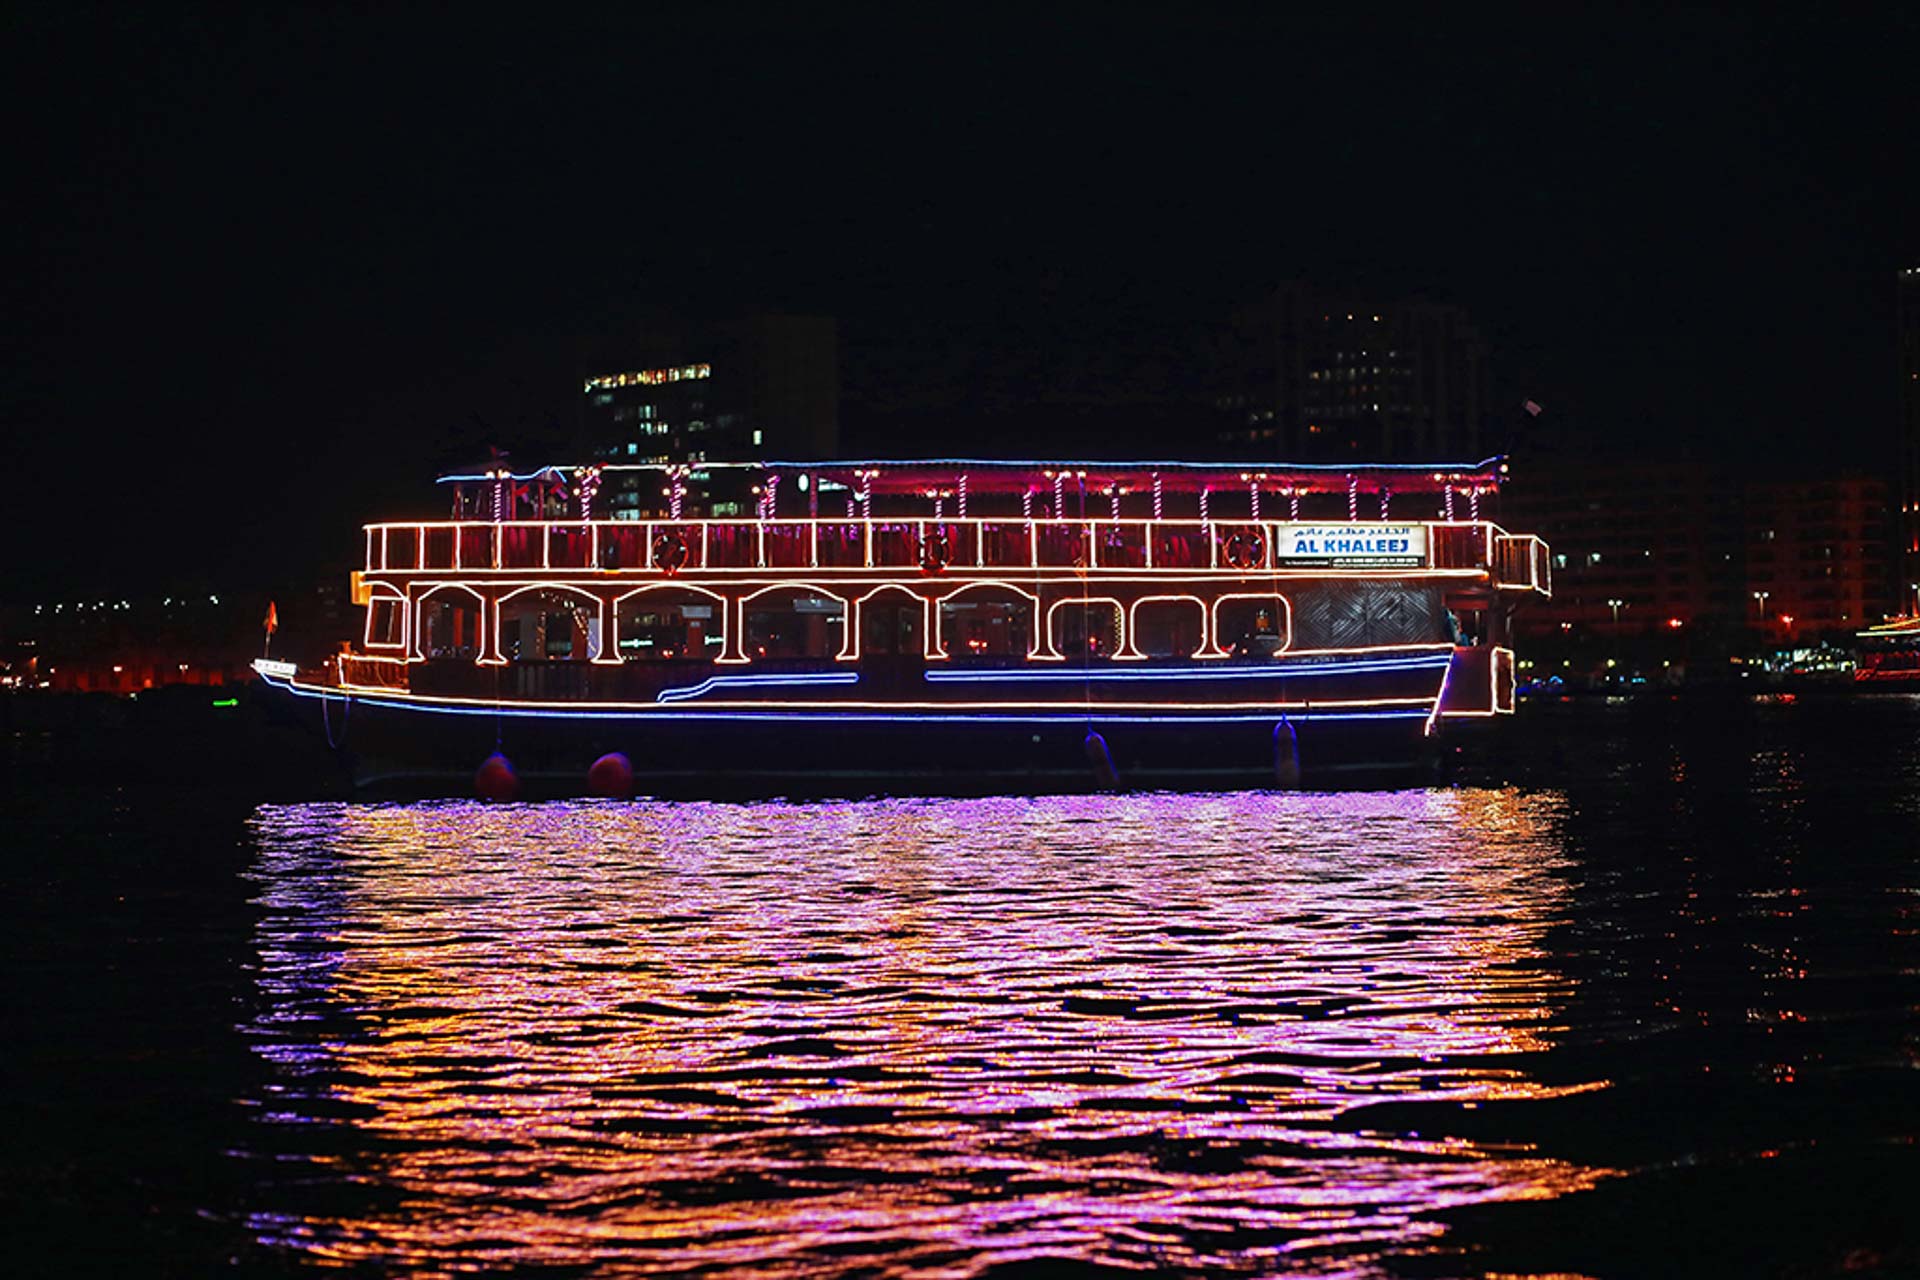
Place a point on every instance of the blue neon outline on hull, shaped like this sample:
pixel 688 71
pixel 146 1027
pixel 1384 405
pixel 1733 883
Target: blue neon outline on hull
pixel 1295 670
pixel 680 693
pixel 827 713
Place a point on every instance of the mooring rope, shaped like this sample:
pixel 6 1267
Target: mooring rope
pixel 326 719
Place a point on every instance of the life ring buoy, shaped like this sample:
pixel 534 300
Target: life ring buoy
pixel 670 553
pixel 1246 549
pixel 935 552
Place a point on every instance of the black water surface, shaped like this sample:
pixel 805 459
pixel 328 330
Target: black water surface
pixel 1642 1000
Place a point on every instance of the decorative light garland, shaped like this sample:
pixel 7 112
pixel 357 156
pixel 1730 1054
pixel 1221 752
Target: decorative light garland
pixel 587 485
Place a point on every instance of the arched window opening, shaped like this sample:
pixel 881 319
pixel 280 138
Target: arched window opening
pixel 987 623
pixel 670 623
pixel 449 624
pixel 795 622
pixel 548 624
pixel 1086 628
pixel 893 623
pixel 1250 626
pixel 1169 628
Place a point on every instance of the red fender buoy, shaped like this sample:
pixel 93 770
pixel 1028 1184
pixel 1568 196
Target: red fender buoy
pixel 611 776
pixel 496 779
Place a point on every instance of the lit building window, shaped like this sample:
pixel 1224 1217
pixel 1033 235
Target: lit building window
pixel 648 378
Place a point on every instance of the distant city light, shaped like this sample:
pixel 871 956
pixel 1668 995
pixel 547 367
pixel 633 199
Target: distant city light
pixel 650 377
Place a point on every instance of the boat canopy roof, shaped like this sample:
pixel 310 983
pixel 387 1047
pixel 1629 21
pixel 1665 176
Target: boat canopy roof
pixel 994 475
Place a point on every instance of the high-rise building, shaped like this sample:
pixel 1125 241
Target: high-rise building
pixel 1817 558
pixel 754 385
pixel 1325 379
pixel 1637 544
pixel 1907 580
pixel 1643 545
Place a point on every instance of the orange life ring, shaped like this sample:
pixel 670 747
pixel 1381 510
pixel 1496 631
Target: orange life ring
pixel 670 553
pixel 1246 549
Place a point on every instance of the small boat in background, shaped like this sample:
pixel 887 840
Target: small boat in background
pixel 1890 655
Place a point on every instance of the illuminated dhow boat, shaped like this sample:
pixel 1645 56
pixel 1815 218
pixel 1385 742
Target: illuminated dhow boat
pixel 971 623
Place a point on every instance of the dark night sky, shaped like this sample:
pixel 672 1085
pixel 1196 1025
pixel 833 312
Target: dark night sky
pixel 270 269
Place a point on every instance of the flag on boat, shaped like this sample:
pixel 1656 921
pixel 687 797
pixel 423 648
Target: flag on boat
pixel 272 622
pixel 1533 408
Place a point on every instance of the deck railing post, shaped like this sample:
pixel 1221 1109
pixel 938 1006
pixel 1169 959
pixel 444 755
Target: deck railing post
pixel 608 641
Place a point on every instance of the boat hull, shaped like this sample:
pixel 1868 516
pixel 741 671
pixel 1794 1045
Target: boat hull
pixel 1169 727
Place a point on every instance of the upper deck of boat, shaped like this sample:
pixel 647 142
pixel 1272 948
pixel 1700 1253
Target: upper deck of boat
pixel 965 518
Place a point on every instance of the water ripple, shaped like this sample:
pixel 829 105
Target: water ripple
pixel 916 1038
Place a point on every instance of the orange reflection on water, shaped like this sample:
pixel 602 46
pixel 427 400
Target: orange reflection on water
pixel 923 1036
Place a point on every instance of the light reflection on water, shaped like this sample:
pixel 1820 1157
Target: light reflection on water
pixel 922 1037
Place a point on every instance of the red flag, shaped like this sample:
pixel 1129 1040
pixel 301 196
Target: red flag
pixel 273 618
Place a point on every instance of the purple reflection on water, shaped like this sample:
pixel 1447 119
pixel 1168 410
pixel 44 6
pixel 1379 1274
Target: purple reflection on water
pixel 914 1035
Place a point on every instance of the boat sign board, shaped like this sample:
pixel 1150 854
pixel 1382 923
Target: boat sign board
pixel 1359 546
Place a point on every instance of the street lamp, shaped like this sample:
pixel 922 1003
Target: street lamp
pixel 1616 605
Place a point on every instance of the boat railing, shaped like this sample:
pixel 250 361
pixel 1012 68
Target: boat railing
pixel 1521 563
pixel 905 543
